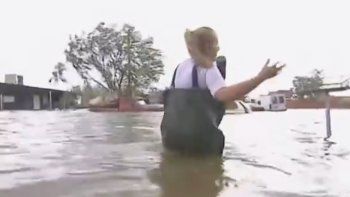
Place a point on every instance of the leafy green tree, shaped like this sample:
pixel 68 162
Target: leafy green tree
pixel 117 60
pixel 304 86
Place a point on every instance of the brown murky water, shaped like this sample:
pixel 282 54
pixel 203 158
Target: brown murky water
pixel 80 153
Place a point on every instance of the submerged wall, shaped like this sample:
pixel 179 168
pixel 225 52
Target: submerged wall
pixel 336 102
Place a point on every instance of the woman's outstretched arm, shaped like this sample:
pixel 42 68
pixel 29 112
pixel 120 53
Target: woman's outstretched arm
pixel 239 90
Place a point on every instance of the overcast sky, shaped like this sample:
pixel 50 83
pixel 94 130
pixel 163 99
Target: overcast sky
pixel 305 34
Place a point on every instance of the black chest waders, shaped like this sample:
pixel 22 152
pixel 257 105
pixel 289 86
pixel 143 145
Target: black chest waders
pixel 191 120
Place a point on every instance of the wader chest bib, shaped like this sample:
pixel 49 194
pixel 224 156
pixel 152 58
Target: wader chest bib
pixel 191 120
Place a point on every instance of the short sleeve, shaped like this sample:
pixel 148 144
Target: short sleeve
pixel 214 80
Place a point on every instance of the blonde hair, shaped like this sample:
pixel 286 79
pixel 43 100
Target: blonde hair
pixel 202 43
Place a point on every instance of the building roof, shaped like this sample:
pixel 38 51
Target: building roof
pixel 12 88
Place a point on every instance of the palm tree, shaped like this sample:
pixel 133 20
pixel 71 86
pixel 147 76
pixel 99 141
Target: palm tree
pixel 57 74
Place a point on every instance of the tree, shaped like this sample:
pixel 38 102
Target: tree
pixel 305 85
pixel 117 60
pixel 58 73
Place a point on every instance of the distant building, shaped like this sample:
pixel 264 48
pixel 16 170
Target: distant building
pixel 16 96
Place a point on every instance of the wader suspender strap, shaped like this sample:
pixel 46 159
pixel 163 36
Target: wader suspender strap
pixel 173 80
pixel 194 77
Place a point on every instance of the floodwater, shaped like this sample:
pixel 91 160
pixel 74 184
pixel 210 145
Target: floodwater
pixel 81 153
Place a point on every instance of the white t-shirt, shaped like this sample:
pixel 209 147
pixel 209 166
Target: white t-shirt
pixel 208 78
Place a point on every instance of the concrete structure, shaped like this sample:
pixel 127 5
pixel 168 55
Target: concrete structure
pixel 14 79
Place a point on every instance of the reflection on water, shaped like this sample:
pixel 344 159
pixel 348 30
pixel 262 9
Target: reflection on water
pixel 79 153
pixel 189 176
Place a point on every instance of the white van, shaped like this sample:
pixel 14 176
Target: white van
pixel 273 102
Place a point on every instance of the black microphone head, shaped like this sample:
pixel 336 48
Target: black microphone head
pixel 221 64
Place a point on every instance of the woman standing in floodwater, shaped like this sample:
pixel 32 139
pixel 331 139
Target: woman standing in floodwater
pixel 194 106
